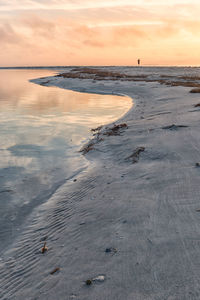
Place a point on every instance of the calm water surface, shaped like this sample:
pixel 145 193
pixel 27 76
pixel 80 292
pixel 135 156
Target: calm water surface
pixel 42 129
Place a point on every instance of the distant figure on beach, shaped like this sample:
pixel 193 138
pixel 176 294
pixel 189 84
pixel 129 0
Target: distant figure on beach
pixel 138 61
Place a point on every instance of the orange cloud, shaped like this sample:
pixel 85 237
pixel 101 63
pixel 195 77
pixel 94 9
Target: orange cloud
pixel 8 35
pixel 100 35
pixel 40 26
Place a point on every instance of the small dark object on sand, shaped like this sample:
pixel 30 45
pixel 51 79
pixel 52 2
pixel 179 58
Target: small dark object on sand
pixel 123 125
pixel 75 180
pixel 136 154
pixel 198 210
pixel 194 91
pixel 197 105
pixel 111 250
pixel 174 127
pixel 44 248
pixel 55 270
pixel 115 129
pixel 197 164
pixel 96 129
pixel 108 250
pixel 88 282
pixel 87 148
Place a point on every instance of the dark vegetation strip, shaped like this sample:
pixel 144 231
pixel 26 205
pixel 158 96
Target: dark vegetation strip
pixel 97 74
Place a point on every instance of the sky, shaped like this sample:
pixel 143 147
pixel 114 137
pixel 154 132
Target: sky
pixel 99 32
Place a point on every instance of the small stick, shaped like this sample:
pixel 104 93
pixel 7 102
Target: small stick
pixel 55 270
pixel 44 248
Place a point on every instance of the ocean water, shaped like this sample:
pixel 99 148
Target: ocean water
pixel 42 130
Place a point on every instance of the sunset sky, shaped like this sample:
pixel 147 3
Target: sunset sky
pixel 98 32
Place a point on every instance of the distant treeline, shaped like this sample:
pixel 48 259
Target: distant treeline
pixel 38 67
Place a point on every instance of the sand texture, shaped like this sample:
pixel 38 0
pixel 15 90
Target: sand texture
pixel 129 227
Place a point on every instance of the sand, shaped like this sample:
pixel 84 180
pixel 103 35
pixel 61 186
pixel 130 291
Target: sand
pixel 130 225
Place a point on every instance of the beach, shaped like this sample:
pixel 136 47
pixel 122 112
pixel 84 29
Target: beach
pixel 129 226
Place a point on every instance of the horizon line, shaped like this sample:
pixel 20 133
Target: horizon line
pixel 72 66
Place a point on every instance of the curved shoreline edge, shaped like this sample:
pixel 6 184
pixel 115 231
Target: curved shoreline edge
pixel 80 87
pixel 141 202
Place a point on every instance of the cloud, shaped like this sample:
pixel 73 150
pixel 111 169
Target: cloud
pixel 39 26
pixel 59 4
pixel 9 36
pixel 73 32
pixel 88 4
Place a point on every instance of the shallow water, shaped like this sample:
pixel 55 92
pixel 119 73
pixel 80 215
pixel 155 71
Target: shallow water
pixel 42 129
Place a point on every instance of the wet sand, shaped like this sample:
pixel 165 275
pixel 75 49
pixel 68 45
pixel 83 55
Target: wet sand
pixel 131 224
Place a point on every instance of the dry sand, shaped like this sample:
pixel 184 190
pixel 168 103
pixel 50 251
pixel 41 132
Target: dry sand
pixel 131 224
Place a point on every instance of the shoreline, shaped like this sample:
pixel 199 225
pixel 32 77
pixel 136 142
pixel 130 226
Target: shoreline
pixel 140 205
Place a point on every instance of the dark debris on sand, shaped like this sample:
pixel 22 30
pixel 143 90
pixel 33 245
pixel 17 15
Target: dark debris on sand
pixel 195 91
pixel 97 74
pixel 174 127
pixel 115 130
pixel 109 131
pixel 55 270
pixel 96 129
pixel 111 250
pixel 44 248
pixel 87 148
pixel 136 155
pixel 88 282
